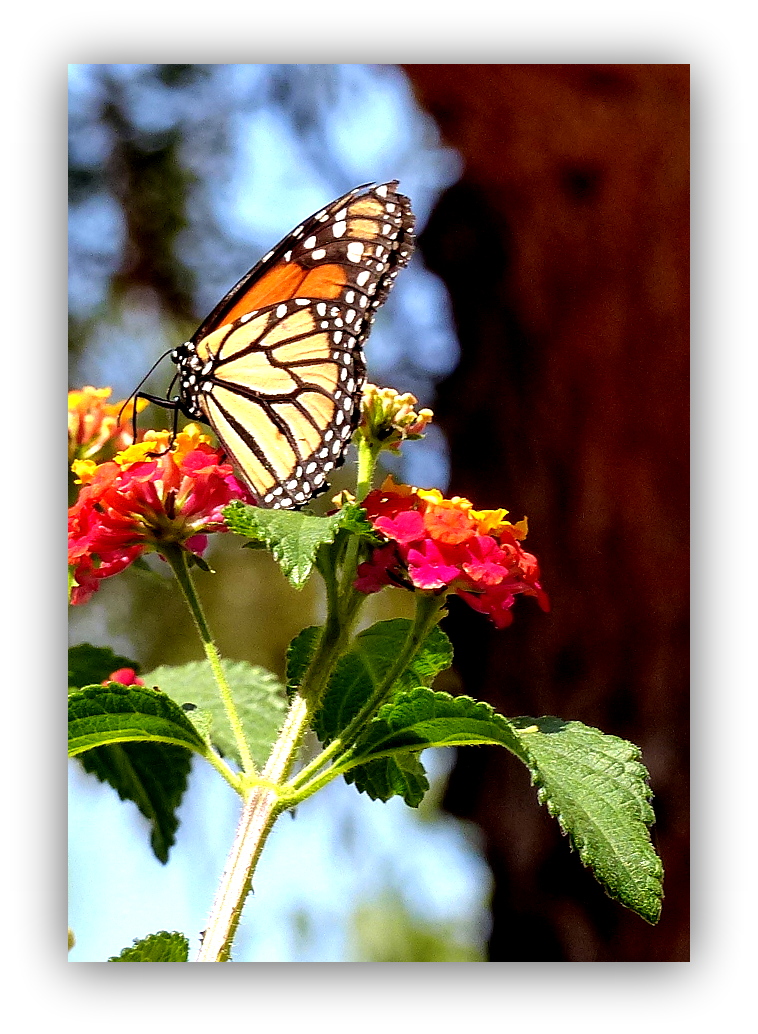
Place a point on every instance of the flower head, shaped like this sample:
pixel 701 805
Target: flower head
pixel 388 418
pixel 153 494
pixel 94 423
pixel 443 545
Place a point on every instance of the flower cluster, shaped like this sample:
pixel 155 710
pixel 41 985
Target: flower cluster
pixel 152 494
pixel 94 423
pixel 388 418
pixel 437 544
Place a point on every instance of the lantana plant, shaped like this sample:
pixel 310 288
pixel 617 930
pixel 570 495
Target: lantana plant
pixel 368 696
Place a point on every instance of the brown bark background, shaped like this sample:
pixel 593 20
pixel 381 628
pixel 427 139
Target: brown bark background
pixel 565 249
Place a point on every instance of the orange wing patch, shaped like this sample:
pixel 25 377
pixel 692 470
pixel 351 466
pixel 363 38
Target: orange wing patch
pixel 289 280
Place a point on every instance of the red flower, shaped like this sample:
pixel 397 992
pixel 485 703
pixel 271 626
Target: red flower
pixel 436 544
pixel 150 495
pixel 126 676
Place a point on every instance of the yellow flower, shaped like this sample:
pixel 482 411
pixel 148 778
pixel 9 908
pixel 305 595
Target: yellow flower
pixel 94 423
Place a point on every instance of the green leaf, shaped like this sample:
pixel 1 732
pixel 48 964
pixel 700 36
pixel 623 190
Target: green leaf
pixel 354 520
pixel 413 720
pixel 365 666
pixel 201 719
pixel 402 775
pixel 594 784
pixel 420 718
pixel 153 775
pixel 139 741
pixel 120 714
pixel 356 677
pixel 89 664
pixel 293 537
pixel 258 696
pixel 157 947
pixel 299 654
pixel 597 788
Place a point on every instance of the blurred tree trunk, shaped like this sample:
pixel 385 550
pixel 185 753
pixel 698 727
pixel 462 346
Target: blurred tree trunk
pixel 565 251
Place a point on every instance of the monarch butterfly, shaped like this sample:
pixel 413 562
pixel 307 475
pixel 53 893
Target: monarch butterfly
pixel 277 368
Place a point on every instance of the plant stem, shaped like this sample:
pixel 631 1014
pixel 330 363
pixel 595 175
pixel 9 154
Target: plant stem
pixel 367 455
pixel 427 615
pixel 177 558
pixel 263 803
pixel 259 813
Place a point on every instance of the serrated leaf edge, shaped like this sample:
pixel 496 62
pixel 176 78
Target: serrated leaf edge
pixel 77 745
pixel 651 872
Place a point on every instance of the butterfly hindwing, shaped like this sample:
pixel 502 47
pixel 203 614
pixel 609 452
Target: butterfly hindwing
pixel 281 387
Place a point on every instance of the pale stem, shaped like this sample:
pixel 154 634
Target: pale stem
pixel 259 813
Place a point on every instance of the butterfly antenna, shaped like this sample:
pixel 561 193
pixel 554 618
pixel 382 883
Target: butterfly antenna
pixel 135 393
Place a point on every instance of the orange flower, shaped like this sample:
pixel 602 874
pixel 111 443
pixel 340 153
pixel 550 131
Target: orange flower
pixel 94 423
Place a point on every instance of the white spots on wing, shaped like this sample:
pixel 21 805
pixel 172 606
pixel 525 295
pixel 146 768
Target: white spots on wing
pixel 354 251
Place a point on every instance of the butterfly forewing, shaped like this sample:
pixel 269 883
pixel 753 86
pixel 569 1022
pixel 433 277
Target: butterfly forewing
pixel 333 250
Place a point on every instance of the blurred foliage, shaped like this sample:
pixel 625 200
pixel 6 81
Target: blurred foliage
pixel 386 930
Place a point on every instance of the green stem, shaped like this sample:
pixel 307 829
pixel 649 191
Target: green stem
pixel 427 615
pixel 177 558
pixel 367 456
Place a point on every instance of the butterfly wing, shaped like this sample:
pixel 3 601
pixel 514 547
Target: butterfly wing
pixel 358 241
pixel 282 394
pixel 277 368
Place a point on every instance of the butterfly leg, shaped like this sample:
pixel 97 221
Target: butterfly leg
pixel 158 401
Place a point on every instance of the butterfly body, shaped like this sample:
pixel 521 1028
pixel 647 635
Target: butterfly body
pixel 277 369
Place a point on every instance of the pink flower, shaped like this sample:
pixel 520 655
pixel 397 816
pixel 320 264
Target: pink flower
pixel 428 568
pixel 434 544
pixel 126 676
pixel 408 526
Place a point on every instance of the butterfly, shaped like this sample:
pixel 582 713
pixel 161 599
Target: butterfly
pixel 277 368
